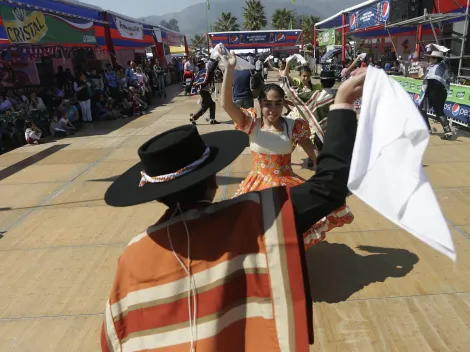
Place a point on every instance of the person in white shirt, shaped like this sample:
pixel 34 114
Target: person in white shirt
pixel 32 134
pixel 259 66
pixel 36 103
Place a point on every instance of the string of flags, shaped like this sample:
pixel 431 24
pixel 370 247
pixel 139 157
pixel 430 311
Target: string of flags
pixel 37 52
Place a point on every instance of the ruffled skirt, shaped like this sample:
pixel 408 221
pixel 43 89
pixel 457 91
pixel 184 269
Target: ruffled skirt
pixel 255 181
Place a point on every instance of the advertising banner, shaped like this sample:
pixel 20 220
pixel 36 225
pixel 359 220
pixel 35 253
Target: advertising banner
pixel 128 29
pixel 457 105
pixel 158 35
pixel 247 40
pixel 369 16
pixel 172 39
pixel 328 37
pixel 35 27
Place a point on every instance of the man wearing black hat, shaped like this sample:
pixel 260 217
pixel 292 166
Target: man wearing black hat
pixel 227 276
pixel 204 83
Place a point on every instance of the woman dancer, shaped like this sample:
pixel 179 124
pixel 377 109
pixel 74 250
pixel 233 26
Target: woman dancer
pixel 273 138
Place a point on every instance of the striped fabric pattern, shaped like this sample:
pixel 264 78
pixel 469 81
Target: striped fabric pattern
pixel 248 277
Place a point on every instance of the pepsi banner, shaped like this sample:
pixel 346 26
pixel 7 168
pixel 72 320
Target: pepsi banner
pixel 369 16
pixel 457 106
pixel 255 39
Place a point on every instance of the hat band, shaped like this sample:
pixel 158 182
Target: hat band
pixel 169 177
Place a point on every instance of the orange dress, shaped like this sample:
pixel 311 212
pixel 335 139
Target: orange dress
pixel 272 150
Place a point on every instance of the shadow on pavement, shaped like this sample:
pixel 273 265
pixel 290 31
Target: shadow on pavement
pixel 336 272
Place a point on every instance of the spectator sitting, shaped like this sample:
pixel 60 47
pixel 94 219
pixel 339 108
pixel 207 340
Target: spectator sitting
pixel 11 97
pixel 32 134
pixel 21 97
pixel 64 123
pixel 36 103
pixel 139 106
pixel 96 81
pixel 72 112
pixel 55 129
pixel 5 104
pixel 104 109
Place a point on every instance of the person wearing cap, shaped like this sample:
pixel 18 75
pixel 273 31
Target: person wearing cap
pixel 436 84
pixel 228 276
pixel 203 82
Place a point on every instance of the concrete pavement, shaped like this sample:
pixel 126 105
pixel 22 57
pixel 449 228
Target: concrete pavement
pixel 375 287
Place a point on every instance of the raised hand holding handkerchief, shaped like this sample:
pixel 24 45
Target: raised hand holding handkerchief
pixel 386 169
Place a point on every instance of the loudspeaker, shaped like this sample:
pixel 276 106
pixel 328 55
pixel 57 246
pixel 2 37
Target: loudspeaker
pixel 401 10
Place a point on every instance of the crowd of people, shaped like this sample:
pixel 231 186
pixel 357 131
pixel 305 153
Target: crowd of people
pixel 86 96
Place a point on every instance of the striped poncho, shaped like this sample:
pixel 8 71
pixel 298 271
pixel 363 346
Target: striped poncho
pixel 248 278
pixel 312 106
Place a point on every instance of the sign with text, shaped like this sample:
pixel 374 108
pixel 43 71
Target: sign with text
pixel 36 27
pixel 128 29
pixel 369 16
pixel 255 39
pixel 172 39
pixel 457 105
pixel 328 37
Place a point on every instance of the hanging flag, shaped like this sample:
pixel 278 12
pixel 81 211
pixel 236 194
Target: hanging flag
pixel 208 4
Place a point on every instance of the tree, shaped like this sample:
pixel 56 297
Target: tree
pixel 307 24
pixel 198 45
pixel 283 19
pixel 171 25
pixel 226 23
pixel 255 15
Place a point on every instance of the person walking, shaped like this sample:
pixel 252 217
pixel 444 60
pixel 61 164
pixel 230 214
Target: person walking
pixel 204 83
pixel 436 84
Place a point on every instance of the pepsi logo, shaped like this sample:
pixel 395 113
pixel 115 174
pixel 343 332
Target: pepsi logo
pixel 385 11
pixel 455 109
pixel 416 98
pixel 352 21
pixel 280 37
pixel 234 39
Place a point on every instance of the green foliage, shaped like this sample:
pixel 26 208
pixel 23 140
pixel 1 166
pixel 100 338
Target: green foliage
pixel 254 15
pixel 226 23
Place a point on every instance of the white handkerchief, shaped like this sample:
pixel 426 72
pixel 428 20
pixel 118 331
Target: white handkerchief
pixel 297 57
pixel 386 169
pixel 438 47
pixel 242 64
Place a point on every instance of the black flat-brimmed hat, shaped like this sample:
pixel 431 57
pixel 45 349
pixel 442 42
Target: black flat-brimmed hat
pixel 174 161
pixel 327 75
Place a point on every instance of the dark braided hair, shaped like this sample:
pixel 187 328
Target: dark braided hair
pixel 306 69
pixel 269 87
pixel 278 89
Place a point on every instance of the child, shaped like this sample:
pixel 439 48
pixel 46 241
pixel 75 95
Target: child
pixel 32 134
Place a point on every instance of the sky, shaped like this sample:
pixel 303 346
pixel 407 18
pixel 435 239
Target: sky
pixel 140 8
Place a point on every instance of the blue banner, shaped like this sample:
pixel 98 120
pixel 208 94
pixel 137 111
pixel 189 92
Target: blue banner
pixel 369 16
pixel 255 39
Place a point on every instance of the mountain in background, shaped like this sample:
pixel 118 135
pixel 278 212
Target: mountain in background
pixel 192 20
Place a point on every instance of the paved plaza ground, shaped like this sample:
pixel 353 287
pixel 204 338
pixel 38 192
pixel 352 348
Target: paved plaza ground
pixel 375 287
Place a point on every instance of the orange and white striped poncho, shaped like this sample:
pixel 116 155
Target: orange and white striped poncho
pixel 246 263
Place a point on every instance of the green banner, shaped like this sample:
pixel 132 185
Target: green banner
pixel 328 37
pixel 36 27
pixel 457 93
